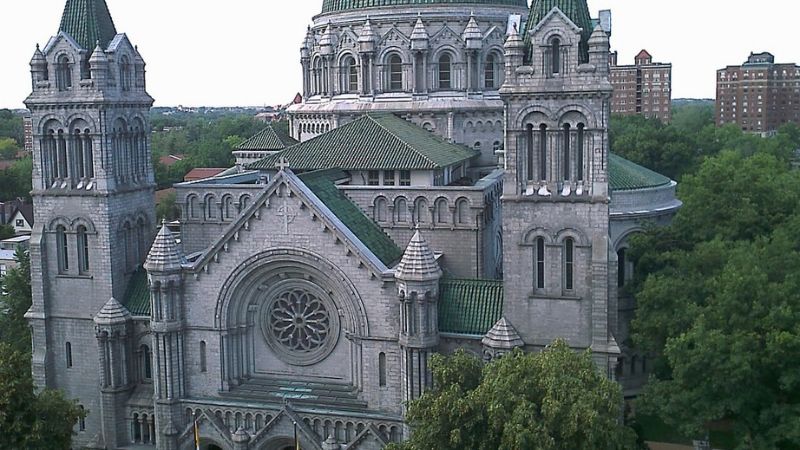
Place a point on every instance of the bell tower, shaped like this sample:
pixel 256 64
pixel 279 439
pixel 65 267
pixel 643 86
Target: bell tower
pixel 93 193
pixel 556 195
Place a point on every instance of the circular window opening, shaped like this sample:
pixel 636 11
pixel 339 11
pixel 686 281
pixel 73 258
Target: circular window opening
pixel 300 322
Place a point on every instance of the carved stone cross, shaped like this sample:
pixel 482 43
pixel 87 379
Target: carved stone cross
pixel 282 164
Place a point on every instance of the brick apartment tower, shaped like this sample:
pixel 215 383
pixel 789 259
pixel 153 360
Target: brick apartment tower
pixel 644 88
pixel 759 95
pixel 93 194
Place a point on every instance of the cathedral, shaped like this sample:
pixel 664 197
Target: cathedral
pixel 447 183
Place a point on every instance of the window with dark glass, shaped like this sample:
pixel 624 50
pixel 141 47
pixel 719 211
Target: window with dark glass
pixel 203 366
pixel 530 145
pixel 62 250
pixel 146 362
pixel 83 250
pixel 63 73
pixel 543 152
pixel 373 178
pixel 566 151
pixel 388 178
pixel 445 72
pixel 405 178
pixel 539 262
pixel 395 73
pixel 569 264
pixel 382 369
pixel 555 53
pixel 579 156
pixel 68 353
pixel 489 71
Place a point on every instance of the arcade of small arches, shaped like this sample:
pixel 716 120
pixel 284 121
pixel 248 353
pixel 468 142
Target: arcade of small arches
pixel 401 70
pixel 343 430
pixel 129 74
pixel 208 209
pixel 402 211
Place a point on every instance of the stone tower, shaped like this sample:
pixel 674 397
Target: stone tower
pixel 556 192
pixel 93 193
pixel 418 276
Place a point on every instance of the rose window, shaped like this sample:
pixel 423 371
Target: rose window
pixel 299 321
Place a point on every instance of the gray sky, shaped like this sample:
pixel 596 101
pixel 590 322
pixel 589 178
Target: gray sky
pixel 246 52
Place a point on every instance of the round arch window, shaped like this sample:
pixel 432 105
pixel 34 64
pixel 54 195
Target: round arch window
pixel 300 322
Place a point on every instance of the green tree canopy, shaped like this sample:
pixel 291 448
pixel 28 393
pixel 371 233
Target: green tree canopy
pixel 556 399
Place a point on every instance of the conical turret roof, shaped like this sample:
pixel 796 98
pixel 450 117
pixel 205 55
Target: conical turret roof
pixel 419 33
pixel 88 21
pixel 502 336
pixel 112 313
pixel 38 58
pixel 418 263
pixel 164 256
pixel 367 33
pixel 472 31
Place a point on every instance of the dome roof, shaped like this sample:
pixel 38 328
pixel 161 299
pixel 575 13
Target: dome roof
pixel 348 5
pixel 628 176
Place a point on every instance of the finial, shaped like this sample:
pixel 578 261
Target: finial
pixel 282 164
pixel 37 46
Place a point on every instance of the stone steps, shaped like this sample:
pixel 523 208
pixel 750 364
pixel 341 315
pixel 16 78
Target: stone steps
pixel 306 392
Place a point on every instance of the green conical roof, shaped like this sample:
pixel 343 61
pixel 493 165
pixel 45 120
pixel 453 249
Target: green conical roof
pixel 344 5
pixel 88 21
pixel 576 10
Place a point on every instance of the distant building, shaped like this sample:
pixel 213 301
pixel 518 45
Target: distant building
pixel 22 219
pixel 759 95
pixel 171 160
pixel 8 250
pixel 645 88
pixel 27 124
pixel 202 173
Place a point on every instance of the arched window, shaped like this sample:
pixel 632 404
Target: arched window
pixel 421 212
pixel 63 73
pixel 211 207
pixel 569 264
pixel 621 263
pixel 382 369
pixel 538 263
pixel 555 54
pixel 194 207
pixel 462 211
pixel 88 155
pixel 445 72
pixel 401 210
pixel 125 73
pixel 244 202
pixel 203 366
pixel 477 146
pixel 566 151
pixel 489 72
pixel 227 208
pixel 395 73
pixel 83 250
pixel 380 210
pixel 146 362
pixel 349 72
pixel 68 354
pixel 441 211
pixel 317 73
pixel 579 156
pixel 531 156
pixel 543 152
pixel 61 249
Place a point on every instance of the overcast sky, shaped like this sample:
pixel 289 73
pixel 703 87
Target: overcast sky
pixel 246 52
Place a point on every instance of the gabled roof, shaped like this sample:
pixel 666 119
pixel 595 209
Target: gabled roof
pixel 26 210
pixel 643 54
pixel 368 232
pixel 137 295
pixel 372 142
pixel 87 22
pixel 201 173
pixel 469 306
pixel 272 138
pixel 576 10
pixel 625 175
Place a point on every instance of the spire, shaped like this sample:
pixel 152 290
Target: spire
pixel 164 256
pixel 419 32
pixel 418 263
pixel 88 21
pixel 366 39
pixel 472 32
pixel 112 313
pixel 502 336
pixel 38 58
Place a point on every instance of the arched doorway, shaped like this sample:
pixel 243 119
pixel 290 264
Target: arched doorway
pixel 209 445
pixel 281 443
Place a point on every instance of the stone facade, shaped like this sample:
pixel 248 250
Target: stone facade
pixel 310 303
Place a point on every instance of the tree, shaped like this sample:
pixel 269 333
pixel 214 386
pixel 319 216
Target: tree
pixel 556 399
pixel 167 209
pixel 8 148
pixel 6 231
pixel 11 126
pixel 14 302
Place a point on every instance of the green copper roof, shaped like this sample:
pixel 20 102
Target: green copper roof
pixel 469 306
pixel 88 21
pixel 576 10
pixel 137 295
pixel 274 137
pixel 372 142
pixel 322 185
pixel 627 176
pixel 344 5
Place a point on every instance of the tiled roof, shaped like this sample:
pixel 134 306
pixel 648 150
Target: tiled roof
pixel 137 296
pixel 322 185
pixel 88 21
pixel 272 138
pixel 343 5
pixel 372 142
pixel 576 10
pixel 469 306
pixel 201 173
pixel 627 176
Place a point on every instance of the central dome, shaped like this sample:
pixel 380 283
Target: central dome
pixel 346 5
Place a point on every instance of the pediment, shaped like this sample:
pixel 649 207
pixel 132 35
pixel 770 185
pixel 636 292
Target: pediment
pixel 395 37
pixel 446 35
pixel 210 427
pixel 120 43
pixel 347 39
pixel 369 438
pixel 495 34
pixel 282 205
pixel 62 41
pixel 555 19
pixel 283 425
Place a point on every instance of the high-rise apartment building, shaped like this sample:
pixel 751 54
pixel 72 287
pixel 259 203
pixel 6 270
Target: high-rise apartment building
pixel 759 95
pixel 643 88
